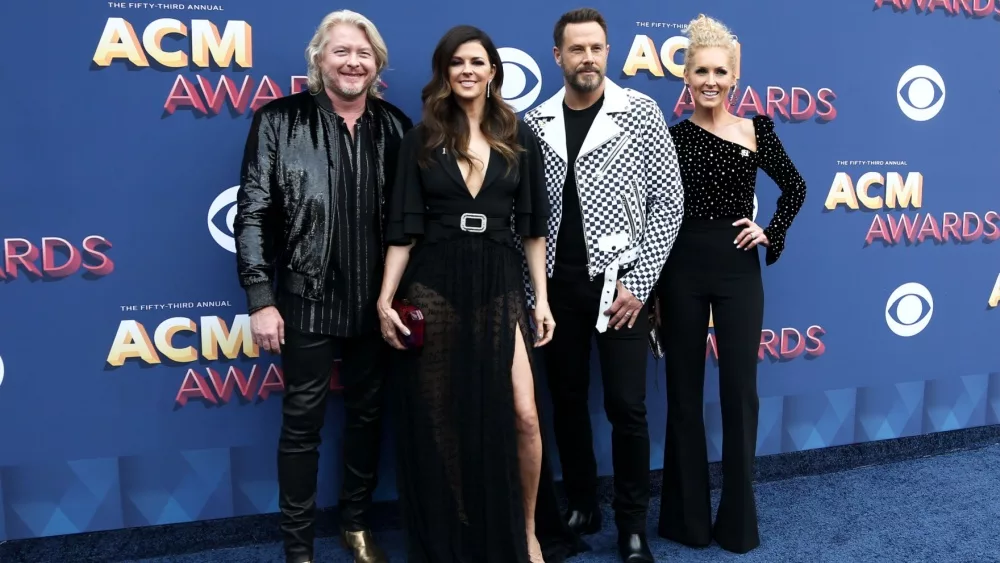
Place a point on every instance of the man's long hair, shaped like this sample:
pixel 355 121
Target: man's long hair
pixel 317 46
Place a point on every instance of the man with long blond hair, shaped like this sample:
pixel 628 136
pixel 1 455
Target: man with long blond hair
pixel 310 254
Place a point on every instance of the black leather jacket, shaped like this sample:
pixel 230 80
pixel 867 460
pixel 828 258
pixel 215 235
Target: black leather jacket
pixel 284 208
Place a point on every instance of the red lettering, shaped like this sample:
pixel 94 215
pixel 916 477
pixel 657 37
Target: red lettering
pixel 768 342
pixel 778 102
pixel 812 337
pixel 183 94
pixel 20 252
pixel 801 114
pixel 299 83
pixel 194 386
pixel 973 8
pixel 261 97
pixel 787 336
pixel 749 103
pixel 59 258
pixel 234 377
pixel 790 345
pixel 238 101
pixel 967 219
pixel 950 228
pixel 991 229
pixel 892 230
pixel 274 382
pixel 92 246
pixel 877 231
pixel 929 229
pixel 73 261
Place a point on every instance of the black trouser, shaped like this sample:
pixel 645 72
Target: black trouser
pixel 706 269
pixel 623 356
pixel 308 361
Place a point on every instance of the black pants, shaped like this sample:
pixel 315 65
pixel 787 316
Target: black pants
pixel 308 365
pixel 705 268
pixel 623 356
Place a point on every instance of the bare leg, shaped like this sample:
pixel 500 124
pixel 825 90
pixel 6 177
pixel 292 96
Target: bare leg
pixel 529 438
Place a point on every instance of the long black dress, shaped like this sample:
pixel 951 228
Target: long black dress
pixel 458 475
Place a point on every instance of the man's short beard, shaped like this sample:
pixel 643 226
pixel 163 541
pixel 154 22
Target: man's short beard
pixel 330 84
pixel 584 88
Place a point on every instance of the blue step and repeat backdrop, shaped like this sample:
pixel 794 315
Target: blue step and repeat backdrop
pixel 131 394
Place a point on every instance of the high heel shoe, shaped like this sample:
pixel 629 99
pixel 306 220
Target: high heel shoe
pixel 534 550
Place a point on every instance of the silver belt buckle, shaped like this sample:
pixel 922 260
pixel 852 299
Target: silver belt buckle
pixel 478 229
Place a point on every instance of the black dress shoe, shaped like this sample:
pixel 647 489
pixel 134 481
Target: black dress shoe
pixel 633 548
pixel 583 523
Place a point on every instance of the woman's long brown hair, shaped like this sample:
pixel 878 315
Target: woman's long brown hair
pixel 444 120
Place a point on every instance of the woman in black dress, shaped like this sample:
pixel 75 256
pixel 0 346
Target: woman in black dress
pixel 715 263
pixel 469 181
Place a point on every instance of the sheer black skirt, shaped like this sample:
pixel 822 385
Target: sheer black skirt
pixel 458 477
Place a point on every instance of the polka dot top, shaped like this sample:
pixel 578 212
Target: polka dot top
pixel 720 177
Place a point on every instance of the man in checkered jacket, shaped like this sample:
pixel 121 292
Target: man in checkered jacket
pixel 617 203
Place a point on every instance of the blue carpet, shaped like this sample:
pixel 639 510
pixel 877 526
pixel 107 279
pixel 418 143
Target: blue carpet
pixel 929 498
pixel 936 509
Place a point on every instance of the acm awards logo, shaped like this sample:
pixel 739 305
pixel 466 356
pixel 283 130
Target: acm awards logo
pixel 170 45
pixel 897 201
pixel 795 104
pixel 896 197
pixel 994 300
pixel 56 258
pixel 1 370
pixel 207 349
pixel 976 9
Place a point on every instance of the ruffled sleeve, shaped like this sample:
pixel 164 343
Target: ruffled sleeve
pixel 773 159
pixel 405 219
pixel 531 204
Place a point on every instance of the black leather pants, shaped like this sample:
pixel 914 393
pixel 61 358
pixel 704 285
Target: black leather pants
pixel 308 365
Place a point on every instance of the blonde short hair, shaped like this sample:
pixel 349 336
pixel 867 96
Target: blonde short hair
pixel 314 52
pixel 704 32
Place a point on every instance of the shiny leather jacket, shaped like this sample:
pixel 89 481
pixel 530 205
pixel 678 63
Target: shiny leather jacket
pixel 284 205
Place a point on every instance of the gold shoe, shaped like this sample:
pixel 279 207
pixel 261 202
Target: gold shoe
pixel 364 547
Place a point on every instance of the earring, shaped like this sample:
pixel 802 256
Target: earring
pixel 488 84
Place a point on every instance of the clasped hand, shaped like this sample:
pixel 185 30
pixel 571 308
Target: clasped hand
pixel 391 325
pixel 625 308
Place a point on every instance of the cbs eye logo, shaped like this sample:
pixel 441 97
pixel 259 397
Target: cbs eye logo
pixel 916 91
pixel 1 371
pixel 519 69
pixel 909 309
pixel 221 215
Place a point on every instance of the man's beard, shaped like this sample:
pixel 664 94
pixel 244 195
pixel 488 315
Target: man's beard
pixel 578 83
pixel 350 91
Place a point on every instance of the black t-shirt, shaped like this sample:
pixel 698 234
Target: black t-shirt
pixel 571 247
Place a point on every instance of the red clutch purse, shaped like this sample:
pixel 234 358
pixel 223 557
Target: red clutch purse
pixel 413 320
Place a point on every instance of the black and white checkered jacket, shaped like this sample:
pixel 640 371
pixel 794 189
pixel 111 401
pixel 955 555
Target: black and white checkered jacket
pixel 629 186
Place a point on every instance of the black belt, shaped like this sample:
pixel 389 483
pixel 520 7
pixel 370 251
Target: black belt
pixel 472 222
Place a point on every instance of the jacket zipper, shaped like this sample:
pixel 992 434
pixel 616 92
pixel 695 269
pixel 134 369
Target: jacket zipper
pixel 614 153
pixel 583 219
pixel 632 221
pixel 579 199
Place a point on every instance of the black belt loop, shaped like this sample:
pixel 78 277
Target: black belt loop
pixel 472 222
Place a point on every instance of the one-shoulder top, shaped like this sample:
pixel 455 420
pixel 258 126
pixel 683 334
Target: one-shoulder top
pixel 720 177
